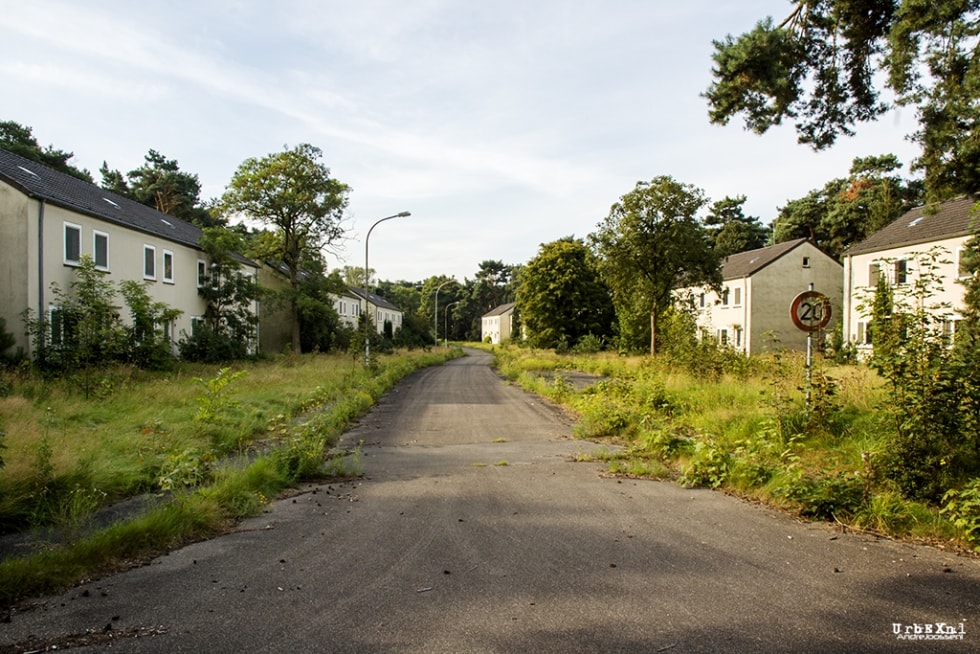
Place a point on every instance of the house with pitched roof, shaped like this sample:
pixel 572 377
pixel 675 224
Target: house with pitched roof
pixel 752 313
pixel 930 238
pixel 497 325
pixel 50 220
pixel 381 310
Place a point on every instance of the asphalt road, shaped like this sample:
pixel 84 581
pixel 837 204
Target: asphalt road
pixel 473 530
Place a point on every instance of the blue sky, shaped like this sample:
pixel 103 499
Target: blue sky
pixel 500 125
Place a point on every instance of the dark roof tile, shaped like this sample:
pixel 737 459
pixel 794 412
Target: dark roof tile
pixel 923 224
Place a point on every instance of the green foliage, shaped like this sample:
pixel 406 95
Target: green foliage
pixel 730 231
pixel 561 298
pixel 214 404
pixel 7 339
pixel 818 66
pixel 826 497
pixel 227 330
pixel 708 465
pixel 651 243
pixel 293 194
pixel 20 140
pixel 147 343
pixel 187 468
pixel 962 506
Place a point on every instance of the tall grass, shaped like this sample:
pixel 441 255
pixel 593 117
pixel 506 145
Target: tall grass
pixel 747 431
pixel 67 457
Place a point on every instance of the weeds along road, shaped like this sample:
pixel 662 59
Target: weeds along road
pixel 473 530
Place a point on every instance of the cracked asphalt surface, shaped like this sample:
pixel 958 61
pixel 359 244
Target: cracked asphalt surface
pixel 474 530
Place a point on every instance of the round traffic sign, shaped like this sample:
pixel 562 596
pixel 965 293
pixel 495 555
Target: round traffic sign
pixel 810 311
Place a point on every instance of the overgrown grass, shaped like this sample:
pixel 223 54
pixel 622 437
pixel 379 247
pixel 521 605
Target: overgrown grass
pixel 748 432
pixel 67 457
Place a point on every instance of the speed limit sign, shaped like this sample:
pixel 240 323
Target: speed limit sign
pixel 810 311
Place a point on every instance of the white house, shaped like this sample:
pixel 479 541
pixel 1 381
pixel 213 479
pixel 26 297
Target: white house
pixel 931 234
pixel 49 220
pixel 381 310
pixel 753 311
pixel 498 323
pixel 348 306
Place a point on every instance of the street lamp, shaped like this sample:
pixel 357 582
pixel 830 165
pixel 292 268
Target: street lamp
pixel 445 327
pixel 435 312
pixel 367 334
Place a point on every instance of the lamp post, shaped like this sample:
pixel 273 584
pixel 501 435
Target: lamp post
pixel 367 334
pixel 445 327
pixel 435 312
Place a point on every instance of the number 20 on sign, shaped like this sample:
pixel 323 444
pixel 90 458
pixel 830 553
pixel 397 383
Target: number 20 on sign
pixel 810 311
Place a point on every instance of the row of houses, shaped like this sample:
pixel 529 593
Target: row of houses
pixel 754 311
pixel 50 220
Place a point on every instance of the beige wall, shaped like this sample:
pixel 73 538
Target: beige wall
pixel 859 285
pixel 20 278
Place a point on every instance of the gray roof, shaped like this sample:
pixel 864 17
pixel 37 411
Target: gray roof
pixel 374 299
pixel 925 224
pixel 744 264
pixel 500 310
pixel 42 183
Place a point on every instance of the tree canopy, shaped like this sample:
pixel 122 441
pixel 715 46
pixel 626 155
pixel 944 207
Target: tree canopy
pixel 561 297
pixel 730 231
pixel 651 243
pixel 293 194
pixel 848 210
pixel 20 140
pixel 159 183
pixel 822 65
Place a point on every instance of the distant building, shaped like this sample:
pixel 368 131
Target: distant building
pixel 498 324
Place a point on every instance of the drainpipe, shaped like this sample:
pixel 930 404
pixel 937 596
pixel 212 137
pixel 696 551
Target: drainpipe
pixel 41 316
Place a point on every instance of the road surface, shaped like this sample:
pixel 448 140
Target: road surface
pixel 474 530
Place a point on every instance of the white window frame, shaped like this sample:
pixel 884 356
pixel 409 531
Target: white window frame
pixel 874 272
pixel 737 300
pixel 96 235
pixel 168 276
pixel 77 229
pixel 150 274
pixel 901 272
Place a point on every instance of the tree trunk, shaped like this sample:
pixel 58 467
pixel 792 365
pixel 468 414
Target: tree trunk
pixel 653 331
pixel 294 310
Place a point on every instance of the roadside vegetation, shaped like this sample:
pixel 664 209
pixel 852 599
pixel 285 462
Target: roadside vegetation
pixel 743 426
pixel 204 445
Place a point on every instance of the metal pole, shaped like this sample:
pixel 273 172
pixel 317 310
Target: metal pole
pixel 809 363
pixel 364 316
pixel 435 313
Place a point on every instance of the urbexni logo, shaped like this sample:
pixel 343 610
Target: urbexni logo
pixel 928 631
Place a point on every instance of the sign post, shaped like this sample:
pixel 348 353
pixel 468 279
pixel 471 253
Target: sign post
pixel 810 312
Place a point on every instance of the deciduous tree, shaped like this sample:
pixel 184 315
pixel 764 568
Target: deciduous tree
pixel 651 243
pixel 293 193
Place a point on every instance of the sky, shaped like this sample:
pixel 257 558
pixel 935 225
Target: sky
pixel 499 125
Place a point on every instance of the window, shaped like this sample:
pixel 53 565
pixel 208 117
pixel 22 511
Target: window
pixel 723 337
pixel 724 297
pixel 738 297
pixel 864 333
pixel 701 300
pixel 149 262
pixel 73 244
pixel 901 272
pixel 100 248
pixel 59 326
pixel 874 272
pixel 738 337
pixel 202 273
pixel 806 262
pixel 168 330
pixel 197 323
pixel 168 266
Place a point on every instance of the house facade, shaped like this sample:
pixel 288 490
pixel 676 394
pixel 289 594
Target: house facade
pixel 753 311
pixel 50 220
pixel 498 324
pixel 930 240
pixel 381 310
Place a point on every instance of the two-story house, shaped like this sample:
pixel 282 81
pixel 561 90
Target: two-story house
pixel 381 310
pixel 752 313
pixel 497 325
pixel 50 220
pixel 932 237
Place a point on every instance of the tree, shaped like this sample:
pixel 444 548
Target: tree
pixel 20 140
pixel 227 331
pixel 562 298
pixel 730 231
pixel 651 243
pixel 159 183
pixel 294 194
pixel 848 210
pixel 818 67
